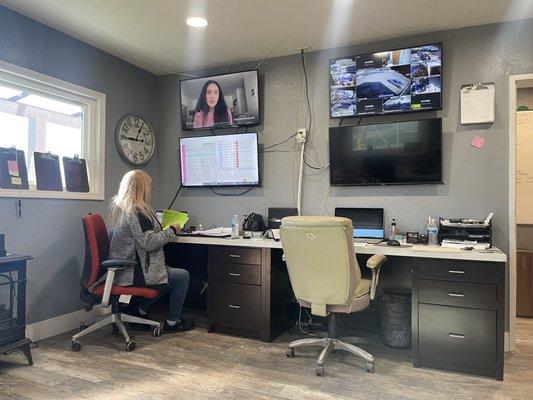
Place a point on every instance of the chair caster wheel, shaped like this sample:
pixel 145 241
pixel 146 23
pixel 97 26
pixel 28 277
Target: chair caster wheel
pixel 75 346
pixel 83 327
pixel 369 367
pixel 320 370
pixel 290 352
pixel 130 346
pixel 157 332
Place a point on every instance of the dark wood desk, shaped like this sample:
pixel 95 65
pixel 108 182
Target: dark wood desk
pixel 458 298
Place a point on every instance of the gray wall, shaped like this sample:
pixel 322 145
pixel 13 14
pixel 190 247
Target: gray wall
pixel 50 230
pixel 475 181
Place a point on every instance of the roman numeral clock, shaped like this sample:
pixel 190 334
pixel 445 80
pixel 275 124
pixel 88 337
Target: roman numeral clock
pixel 135 139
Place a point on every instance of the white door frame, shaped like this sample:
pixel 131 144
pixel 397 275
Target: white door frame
pixel 515 82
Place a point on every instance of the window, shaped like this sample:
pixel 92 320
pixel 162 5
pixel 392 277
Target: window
pixel 44 114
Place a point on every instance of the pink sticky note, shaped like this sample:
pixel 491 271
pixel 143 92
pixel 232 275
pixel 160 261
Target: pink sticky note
pixel 478 142
pixel 12 168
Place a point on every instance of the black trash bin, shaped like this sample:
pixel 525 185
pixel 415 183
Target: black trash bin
pixel 394 309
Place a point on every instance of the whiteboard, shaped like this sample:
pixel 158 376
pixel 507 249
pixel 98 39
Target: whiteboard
pixel 524 167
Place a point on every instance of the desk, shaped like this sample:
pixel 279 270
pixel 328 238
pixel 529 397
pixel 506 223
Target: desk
pixel 458 299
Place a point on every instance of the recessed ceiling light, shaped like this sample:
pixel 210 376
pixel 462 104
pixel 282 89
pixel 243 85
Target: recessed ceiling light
pixel 196 22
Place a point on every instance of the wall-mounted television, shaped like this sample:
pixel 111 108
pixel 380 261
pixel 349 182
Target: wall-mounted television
pixel 220 101
pixel 220 160
pixel 395 153
pixel 394 81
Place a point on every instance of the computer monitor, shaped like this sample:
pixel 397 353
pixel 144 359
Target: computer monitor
pixel 367 222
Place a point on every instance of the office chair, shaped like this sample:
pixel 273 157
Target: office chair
pixel 97 284
pixel 325 276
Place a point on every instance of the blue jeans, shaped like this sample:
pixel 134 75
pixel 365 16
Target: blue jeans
pixel 178 283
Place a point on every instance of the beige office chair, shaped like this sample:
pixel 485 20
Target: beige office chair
pixel 325 277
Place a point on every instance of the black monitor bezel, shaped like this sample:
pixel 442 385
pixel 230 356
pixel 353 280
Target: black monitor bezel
pixel 259 184
pixel 183 128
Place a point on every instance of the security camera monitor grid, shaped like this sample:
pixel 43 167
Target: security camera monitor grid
pixel 394 81
pixel 221 101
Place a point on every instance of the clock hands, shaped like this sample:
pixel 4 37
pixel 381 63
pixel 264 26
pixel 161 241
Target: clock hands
pixel 132 138
pixel 139 132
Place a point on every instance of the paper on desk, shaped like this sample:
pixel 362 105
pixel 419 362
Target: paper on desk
pixel 215 232
pixel 171 217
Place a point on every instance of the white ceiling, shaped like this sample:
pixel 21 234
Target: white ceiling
pixel 152 33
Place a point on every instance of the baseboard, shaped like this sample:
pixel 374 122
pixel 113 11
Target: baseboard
pixel 62 323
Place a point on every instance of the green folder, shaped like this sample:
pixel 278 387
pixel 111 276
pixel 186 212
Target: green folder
pixel 171 217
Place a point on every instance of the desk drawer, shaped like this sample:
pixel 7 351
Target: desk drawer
pixel 237 273
pixel 457 335
pixel 461 294
pixel 236 306
pixel 458 270
pixel 236 255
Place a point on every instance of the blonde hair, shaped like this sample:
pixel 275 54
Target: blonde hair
pixel 133 195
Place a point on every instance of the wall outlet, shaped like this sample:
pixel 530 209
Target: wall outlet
pixel 301 135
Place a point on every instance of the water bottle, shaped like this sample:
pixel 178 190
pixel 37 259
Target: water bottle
pixel 235 227
pixel 432 232
pixel 393 230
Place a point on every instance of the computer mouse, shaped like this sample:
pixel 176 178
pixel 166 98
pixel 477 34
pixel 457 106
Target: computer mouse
pixel 393 242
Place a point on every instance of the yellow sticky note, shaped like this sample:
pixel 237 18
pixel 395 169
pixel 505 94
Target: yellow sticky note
pixel 171 217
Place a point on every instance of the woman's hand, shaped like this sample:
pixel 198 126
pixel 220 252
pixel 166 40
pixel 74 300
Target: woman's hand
pixel 177 228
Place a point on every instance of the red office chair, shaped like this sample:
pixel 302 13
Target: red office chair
pixel 97 287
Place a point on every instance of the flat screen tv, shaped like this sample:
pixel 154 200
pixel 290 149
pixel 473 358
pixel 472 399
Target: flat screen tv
pixel 386 154
pixel 220 101
pixel 394 81
pixel 221 160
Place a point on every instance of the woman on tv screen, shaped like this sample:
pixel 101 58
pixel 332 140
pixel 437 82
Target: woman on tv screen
pixel 211 107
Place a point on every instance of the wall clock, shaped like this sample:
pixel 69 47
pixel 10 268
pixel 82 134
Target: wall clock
pixel 135 139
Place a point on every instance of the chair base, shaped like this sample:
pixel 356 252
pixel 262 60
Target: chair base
pixel 328 345
pixel 118 320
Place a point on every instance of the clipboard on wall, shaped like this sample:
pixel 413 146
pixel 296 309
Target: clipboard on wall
pixel 13 171
pixel 47 171
pixel 477 103
pixel 76 179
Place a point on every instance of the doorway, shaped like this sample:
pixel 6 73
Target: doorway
pixel 520 194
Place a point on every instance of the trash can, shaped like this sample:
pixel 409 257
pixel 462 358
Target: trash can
pixel 394 309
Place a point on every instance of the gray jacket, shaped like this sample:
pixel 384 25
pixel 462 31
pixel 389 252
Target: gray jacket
pixel 137 237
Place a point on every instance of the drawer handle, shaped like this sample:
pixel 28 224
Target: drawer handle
pixel 234 306
pixel 456 336
pixel 234 274
pixel 452 294
pixel 235 255
pixel 456 271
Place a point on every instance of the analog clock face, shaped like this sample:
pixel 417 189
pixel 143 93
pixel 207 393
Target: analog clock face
pixel 135 140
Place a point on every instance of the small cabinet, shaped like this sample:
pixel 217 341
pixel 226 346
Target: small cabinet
pixel 458 316
pixel 249 292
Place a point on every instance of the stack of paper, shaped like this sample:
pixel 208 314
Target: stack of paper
pixel 215 232
pixel 461 244
pixel 171 217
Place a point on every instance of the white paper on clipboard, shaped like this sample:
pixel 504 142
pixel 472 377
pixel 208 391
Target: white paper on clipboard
pixel 477 103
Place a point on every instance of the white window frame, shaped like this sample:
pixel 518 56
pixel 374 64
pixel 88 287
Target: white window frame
pixel 94 106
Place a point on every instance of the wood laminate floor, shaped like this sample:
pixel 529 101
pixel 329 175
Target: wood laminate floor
pixel 198 365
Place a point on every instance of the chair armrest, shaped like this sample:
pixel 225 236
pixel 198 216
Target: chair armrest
pixel 374 263
pixel 118 263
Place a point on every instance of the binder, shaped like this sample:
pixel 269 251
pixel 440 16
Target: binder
pixel 47 172
pixel 76 179
pixel 477 103
pixel 13 171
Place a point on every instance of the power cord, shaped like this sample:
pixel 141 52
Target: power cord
pixel 231 194
pixel 174 199
pixel 278 144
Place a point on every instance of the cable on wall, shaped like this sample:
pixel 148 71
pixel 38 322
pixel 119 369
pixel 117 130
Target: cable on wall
pixel 175 197
pixel 231 194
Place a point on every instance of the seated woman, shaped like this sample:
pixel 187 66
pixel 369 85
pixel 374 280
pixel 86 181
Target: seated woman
pixel 211 107
pixel 138 235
